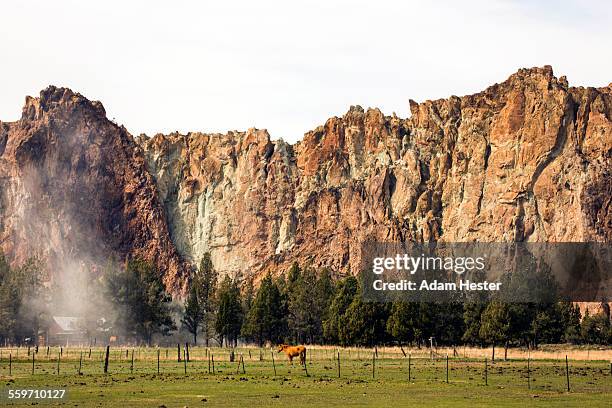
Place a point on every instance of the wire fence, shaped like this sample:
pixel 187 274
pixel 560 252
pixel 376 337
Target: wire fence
pixel 326 363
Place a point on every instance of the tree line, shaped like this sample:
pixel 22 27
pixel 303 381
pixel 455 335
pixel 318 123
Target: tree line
pixel 307 306
pixel 302 305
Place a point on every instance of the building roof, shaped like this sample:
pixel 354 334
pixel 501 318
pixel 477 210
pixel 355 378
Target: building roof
pixel 67 323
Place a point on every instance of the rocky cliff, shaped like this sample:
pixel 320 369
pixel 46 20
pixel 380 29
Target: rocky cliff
pixel 74 190
pixel 525 160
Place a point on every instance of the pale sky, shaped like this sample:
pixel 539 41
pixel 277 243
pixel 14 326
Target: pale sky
pixel 286 66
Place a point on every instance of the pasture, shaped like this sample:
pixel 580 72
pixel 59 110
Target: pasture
pixel 332 377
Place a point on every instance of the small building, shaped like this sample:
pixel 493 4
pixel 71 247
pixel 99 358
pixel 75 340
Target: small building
pixel 66 331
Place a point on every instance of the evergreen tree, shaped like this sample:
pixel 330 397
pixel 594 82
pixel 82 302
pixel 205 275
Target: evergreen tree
pixel 472 313
pixel 403 321
pixel 449 322
pixel 247 302
pixel 304 317
pixel 595 329
pixel 293 292
pixel 249 296
pixel 548 325
pixel 571 322
pixel 521 316
pixel 266 319
pixel 206 282
pixel 495 327
pixel 417 322
pixel 363 323
pixel 192 313
pixel 23 300
pixel 294 274
pixel 144 304
pixel 229 314
pixel 323 294
pixel 346 290
pixel 10 301
pixel 425 323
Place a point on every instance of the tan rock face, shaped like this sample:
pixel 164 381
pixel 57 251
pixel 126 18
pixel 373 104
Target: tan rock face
pixel 75 190
pixel 527 160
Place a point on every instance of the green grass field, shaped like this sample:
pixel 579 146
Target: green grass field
pixel 258 385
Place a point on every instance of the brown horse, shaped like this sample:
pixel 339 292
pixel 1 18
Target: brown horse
pixel 293 351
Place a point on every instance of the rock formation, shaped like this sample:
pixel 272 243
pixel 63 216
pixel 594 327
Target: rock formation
pixel 74 190
pixel 525 160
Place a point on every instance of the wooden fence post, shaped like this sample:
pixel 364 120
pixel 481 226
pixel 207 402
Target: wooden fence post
pixel 447 368
pixel 567 373
pixel 373 365
pixel 106 359
pixel 132 364
pixel 273 364
pixel 178 352
pixel 32 363
pixel 10 364
pixel 158 351
pixel 338 363
pixel 242 359
pixel 409 373
pixel 185 358
pixel 486 373
pixel 80 363
pixel 59 358
pixel 528 374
